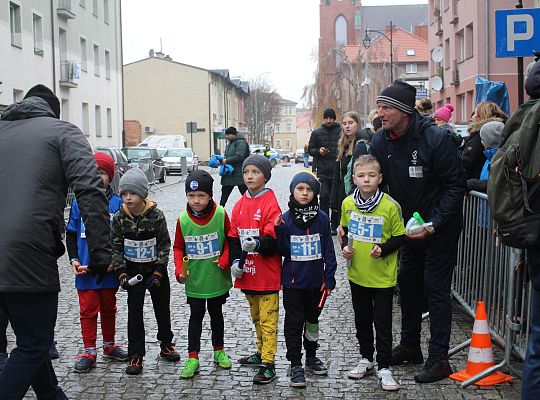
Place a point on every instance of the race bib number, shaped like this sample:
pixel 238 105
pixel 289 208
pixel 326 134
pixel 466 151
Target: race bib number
pixel 140 251
pixel 202 246
pixel 306 247
pixel 364 228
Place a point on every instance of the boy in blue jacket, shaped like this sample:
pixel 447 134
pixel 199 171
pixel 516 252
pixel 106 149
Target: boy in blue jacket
pixel 304 240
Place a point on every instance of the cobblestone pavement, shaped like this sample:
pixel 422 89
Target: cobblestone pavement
pixel 160 379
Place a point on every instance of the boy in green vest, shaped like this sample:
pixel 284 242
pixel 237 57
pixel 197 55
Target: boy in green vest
pixel 374 226
pixel 201 233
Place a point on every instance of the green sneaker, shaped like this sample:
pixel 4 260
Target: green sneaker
pixel 222 359
pixel 190 369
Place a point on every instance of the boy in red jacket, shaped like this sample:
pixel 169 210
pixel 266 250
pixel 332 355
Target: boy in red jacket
pixel 252 232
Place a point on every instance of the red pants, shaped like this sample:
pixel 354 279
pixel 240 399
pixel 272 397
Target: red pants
pixel 92 302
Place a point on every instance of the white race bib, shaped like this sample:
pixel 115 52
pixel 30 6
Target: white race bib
pixel 306 247
pixel 140 251
pixel 364 228
pixel 202 246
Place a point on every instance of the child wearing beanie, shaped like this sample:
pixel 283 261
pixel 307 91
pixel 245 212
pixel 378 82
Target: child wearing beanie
pixel 304 240
pixel 94 297
pixel 201 232
pixel 443 115
pixel 252 238
pixel 140 249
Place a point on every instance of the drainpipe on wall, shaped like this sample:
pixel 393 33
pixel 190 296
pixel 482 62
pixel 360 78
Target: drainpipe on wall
pixel 123 138
pixel 53 49
pixel 487 38
pixel 210 128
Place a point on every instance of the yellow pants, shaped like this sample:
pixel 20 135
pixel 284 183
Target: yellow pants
pixel 264 314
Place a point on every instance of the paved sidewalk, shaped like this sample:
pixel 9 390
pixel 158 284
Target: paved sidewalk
pixel 160 379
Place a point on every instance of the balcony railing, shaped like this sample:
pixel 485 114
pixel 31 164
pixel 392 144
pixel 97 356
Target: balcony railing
pixel 69 73
pixel 64 9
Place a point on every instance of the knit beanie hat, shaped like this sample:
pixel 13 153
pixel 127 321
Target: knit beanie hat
pixel 134 180
pixel 329 113
pixel 200 180
pixel 231 130
pixel 399 95
pixel 106 163
pixel 444 113
pixel 307 177
pixel 260 162
pixel 46 94
pixel 490 133
pixel 532 84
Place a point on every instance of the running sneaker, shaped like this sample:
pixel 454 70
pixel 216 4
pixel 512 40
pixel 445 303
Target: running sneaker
pixel 135 365
pixel 266 374
pixel 190 369
pixel 254 359
pixel 168 352
pixel 298 378
pixel 364 367
pixel 85 363
pixel 115 352
pixel 222 359
pixel 315 366
pixel 387 380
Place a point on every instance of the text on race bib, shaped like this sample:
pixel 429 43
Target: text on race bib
pixel 306 247
pixel 140 251
pixel 202 246
pixel 365 228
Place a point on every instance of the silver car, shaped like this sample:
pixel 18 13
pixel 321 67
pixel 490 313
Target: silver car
pixel 173 157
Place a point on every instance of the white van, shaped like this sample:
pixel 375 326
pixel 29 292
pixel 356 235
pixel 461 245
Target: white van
pixel 165 142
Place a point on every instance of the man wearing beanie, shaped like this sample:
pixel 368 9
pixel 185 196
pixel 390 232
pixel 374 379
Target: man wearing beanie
pixel 235 153
pixel 201 235
pixel 43 156
pixel 323 147
pixel 304 240
pixel 422 170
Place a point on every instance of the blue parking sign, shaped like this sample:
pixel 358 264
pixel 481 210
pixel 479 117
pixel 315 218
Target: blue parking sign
pixel 517 32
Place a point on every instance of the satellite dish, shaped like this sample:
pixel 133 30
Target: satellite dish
pixel 437 54
pixel 436 83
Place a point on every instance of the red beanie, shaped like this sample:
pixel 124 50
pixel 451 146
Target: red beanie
pixel 105 162
pixel 444 113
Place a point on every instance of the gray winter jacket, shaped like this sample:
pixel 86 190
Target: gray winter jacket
pixel 40 156
pixel 235 154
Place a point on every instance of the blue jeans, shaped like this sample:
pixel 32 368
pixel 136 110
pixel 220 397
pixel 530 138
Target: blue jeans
pixel 32 317
pixel 530 388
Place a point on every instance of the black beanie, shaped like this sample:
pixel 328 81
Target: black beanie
pixel 532 84
pixel 200 180
pixel 231 130
pixel 261 162
pixel 329 113
pixel 46 94
pixel 399 95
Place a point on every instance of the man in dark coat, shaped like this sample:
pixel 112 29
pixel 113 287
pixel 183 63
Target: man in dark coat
pixel 40 157
pixel 323 147
pixel 236 152
pixel 422 170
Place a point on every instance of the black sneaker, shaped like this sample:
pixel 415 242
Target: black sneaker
pixel 315 366
pixel 85 363
pixel 435 369
pixel 266 374
pixel 135 365
pixel 254 359
pixel 298 378
pixel 168 352
pixel 402 353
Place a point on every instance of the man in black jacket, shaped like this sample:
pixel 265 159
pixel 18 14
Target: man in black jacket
pixel 323 147
pixel 40 157
pixel 422 170
pixel 236 152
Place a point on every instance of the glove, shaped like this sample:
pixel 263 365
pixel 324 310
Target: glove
pixel 124 278
pixel 154 280
pixel 250 244
pixel 100 270
pixel 236 271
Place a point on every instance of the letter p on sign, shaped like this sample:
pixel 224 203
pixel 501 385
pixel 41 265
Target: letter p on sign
pixel 512 36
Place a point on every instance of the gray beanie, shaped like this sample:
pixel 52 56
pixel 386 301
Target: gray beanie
pixel 260 162
pixel 490 133
pixel 134 180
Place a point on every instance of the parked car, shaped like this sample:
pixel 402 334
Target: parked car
pixel 274 158
pixel 119 158
pixel 172 159
pixel 461 130
pixel 283 154
pixel 134 154
pixel 299 158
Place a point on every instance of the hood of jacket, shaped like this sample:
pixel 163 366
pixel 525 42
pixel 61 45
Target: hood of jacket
pixel 32 107
pixel 474 127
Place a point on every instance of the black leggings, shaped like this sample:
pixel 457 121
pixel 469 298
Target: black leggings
pixel 226 192
pixel 198 309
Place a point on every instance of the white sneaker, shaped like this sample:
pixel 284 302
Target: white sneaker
pixel 364 367
pixel 387 380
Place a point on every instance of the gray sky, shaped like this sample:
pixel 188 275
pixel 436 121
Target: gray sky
pixel 247 37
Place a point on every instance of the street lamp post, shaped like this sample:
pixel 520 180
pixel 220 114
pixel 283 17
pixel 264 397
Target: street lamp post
pixel 367 42
pixel 257 131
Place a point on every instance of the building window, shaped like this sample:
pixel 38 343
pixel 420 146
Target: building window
pixel 411 68
pixel 288 127
pixel 17 95
pixel 84 55
pixel 37 25
pixel 278 143
pixel 277 127
pixel 446 54
pixel 358 20
pixel 107 64
pixel 462 106
pixel 341 31
pixel 469 40
pixel 97 114
pixel 106 11
pixel 85 119
pixel 109 122
pixel 95 8
pixel 65 109
pixel 327 2
pixel 411 52
pixel 96 60
pixel 62 44
pixel 460 46
pixel 288 143
pixel 15 24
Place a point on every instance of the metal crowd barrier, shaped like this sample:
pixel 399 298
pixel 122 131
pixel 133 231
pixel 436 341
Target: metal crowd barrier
pixel 496 274
pixel 145 164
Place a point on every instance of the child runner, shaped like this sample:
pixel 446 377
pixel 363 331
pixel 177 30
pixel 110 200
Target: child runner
pixel 94 298
pixel 252 231
pixel 141 245
pixel 305 241
pixel 201 232
pixel 373 221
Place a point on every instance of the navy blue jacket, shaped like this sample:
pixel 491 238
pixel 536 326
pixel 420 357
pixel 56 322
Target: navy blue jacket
pixel 307 274
pixel 437 185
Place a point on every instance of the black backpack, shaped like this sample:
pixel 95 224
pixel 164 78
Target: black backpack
pixel 514 179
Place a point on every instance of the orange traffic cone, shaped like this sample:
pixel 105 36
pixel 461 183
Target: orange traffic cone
pixel 480 353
